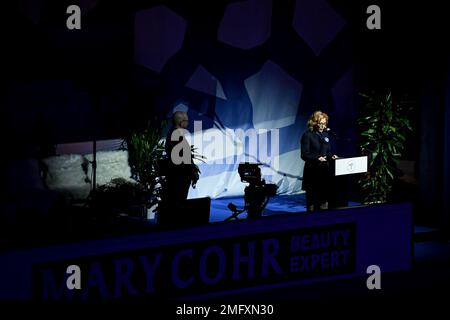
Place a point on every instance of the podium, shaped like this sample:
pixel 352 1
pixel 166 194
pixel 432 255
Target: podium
pixel 346 166
pixel 340 170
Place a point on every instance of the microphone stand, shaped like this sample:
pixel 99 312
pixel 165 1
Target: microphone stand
pixel 95 100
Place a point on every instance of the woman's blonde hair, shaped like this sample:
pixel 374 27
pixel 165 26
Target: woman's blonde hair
pixel 315 118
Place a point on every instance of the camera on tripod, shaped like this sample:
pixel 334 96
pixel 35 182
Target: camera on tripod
pixel 256 194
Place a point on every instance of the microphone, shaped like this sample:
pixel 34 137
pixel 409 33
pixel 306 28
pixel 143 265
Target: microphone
pixel 332 133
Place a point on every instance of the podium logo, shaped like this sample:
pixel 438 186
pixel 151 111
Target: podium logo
pixel 350 166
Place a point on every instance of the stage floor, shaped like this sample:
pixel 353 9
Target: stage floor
pixel 276 205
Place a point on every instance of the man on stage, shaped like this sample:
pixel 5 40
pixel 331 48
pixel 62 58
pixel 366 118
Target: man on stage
pixel 181 169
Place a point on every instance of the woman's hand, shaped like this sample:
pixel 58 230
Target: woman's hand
pixel 322 159
pixel 334 157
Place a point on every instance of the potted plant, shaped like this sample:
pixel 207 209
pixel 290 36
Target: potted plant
pixel 146 152
pixel 118 197
pixel 384 124
pixel 148 163
pixel 145 147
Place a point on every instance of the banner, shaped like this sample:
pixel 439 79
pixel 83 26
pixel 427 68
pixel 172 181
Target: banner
pixel 201 267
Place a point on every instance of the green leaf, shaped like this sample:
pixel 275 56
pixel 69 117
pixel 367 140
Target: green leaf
pixel 384 125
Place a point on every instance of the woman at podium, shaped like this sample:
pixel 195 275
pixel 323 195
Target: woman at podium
pixel 316 152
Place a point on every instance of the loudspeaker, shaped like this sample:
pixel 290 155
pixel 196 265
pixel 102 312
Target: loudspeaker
pixel 191 212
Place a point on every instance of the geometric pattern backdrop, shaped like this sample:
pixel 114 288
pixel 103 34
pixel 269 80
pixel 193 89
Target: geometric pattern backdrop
pixel 245 86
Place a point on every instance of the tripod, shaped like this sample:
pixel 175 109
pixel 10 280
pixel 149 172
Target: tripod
pixel 255 198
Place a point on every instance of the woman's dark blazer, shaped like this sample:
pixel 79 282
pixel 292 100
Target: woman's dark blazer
pixel 313 146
